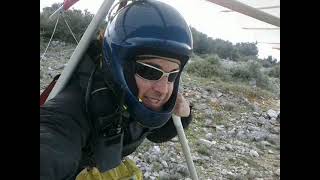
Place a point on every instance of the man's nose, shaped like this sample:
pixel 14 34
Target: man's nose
pixel 161 85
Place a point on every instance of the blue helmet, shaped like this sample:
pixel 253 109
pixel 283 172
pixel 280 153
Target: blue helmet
pixel 145 27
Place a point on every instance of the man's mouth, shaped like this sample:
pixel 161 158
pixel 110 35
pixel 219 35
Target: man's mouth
pixel 152 100
pixel 153 103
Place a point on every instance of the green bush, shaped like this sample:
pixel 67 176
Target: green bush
pixel 275 71
pixel 252 71
pixel 205 68
pixel 247 58
pixel 213 59
pixel 241 73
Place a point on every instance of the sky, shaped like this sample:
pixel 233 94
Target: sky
pixel 208 18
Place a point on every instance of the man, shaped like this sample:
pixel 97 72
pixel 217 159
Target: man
pixel 119 96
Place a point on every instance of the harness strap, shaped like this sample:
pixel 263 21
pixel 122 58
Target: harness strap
pixel 44 95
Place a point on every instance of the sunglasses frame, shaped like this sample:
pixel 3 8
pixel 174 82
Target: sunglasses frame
pixel 166 74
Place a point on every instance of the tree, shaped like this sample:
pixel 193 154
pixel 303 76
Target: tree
pixel 247 49
pixel 203 44
pixel 76 19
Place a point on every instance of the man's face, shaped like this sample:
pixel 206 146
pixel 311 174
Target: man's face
pixel 155 93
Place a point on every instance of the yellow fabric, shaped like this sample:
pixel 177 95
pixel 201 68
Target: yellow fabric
pixel 127 170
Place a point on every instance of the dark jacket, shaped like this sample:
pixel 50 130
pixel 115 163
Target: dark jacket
pixel 66 131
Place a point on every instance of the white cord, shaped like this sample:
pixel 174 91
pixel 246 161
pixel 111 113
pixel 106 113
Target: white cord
pixel 71 31
pixel 50 38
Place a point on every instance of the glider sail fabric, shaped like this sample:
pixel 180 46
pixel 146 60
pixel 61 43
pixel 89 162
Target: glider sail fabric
pixel 68 3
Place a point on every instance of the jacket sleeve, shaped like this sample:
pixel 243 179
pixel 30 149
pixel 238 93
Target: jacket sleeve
pixel 63 132
pixel 168 131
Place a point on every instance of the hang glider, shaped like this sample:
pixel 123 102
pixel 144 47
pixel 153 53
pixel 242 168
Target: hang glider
pixel 266 7
pixel 248 10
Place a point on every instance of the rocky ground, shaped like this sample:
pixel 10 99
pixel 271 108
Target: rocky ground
pixel 235 133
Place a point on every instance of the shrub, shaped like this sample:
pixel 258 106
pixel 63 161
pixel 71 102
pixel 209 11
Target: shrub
pixel 275 71
pixel 205 68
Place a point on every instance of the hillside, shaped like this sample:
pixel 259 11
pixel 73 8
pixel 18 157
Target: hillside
pixel 235 133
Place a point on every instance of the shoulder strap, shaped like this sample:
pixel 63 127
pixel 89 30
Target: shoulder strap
pixel 44 95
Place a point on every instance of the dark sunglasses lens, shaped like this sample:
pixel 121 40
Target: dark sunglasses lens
pixel 148 72
pixel 173 76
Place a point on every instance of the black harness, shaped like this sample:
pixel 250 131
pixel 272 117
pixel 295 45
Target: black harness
pixel 104 146
pixel 107 143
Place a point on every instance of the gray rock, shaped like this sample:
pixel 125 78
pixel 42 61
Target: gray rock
pixel 208 123
pixel 183 170
pixel 255 107
pixel 257 136
pixel 59 67
pixel 197 159
pixel 200 106
pixel 51 74
pixel 164 163
pixel 208 113
pixel 253 128
pixel 241 135
pixel 265 115
pixel 173 160
pixel 272 113
pixel 245 100
pixel 44 58
pixel 147 174
pixel 243 172
pixel 252 174
pixel 205 158
pixel 223 148
pixel 241 150
pixel 214 100
pixel 205 142
pixel 252 120
pixel 229 174
pixel 205 130
pixel 253 153
pixel 265 143
pixel 273 139
pixel 261 121
pixel 218 94
pixel 275 130
pixel 156 150
pixel 197 96
pixel 222 134
pixel 256 114
pixel 176 176
pixel 175 139
pixel 164 176
pixel 270 152
pixel 229 106
pixel 229 147
pixel 220 128
pixel 155 174
pixel 232 132
pixel 277 172
pixel 209 136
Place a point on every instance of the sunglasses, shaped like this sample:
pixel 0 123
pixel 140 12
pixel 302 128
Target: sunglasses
pixel 149 72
